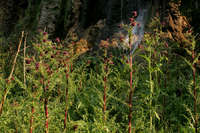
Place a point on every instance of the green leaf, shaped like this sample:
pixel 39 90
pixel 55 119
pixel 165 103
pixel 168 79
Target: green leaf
pixel 156 114
pixel 196 59
pixel 188 51
pixel 146 58
pixel 187 62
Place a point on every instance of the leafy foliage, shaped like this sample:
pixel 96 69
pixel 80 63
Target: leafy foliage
pixel 65 88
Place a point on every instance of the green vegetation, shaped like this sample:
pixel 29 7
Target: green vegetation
pixel 52 87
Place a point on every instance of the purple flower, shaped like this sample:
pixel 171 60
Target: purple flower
pixel 37 65
pixel 44 33
pixel 57 39
pixel 28 61
pixel 131 20
pixel 65 53
pixel 54 47
pixel 44 40
pixel 133 23
pixel 134 13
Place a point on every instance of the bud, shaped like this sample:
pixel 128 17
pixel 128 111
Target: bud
pixel 134 13
pixel 133 24
pixel 28 61
pixel 44 33
pixel 44 40
pixel 65 53
pixel 131 20
pixel 57 39
pixel 37 65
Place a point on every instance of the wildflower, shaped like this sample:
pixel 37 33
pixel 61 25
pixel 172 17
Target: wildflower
pixel 37 65
pixel 57 39
pixel 190 31
pixel 49 71
pixel 131 20
pixel 44 40
pixel 54 47
pixel 133 24
pixel 28 61
pixel 44 33
pixel 12 78
pixel 134 13
pixel 65 53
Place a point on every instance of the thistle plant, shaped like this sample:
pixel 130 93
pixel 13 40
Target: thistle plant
pixel 194 58
pixel 131 39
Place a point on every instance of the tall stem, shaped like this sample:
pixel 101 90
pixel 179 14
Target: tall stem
pixel 151 88
pixel 195 93
pixel 131 84
pixel 32 117
pixel 104 95
pixel 11 73
pixel 66 97
pixel 46 110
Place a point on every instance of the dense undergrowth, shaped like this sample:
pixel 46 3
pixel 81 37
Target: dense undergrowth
pixel 53 87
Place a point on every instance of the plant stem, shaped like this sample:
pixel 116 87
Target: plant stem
pixel 25 61
pixel 104 95
pixel 131 83
pixel 32 117
pixel 66 107
pixel 151 89
pixel 66 97
pixel 10 76
pixel 46 109
pixel 195 93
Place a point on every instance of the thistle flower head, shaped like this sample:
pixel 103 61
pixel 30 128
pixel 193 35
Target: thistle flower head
pixel 37 65
pixel 134 13
pixel 45 33
pixel 58 40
